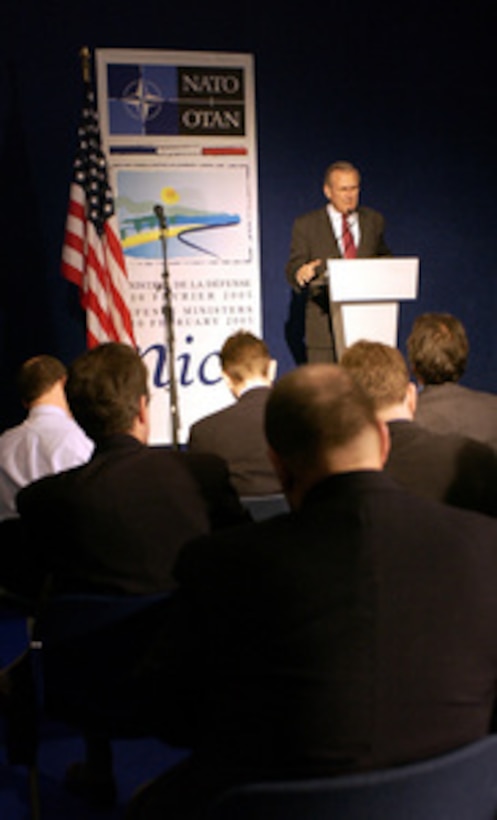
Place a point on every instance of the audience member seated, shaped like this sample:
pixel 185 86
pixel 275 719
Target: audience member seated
pixel 437 350
pixel 236 433
pixel 48 440
pixel 451 468
pixel 117 523
pixel 353 633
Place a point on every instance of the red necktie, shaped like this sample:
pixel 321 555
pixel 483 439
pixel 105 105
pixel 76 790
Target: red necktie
pixel 349 248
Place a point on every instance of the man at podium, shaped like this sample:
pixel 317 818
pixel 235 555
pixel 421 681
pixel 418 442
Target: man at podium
pixel 340 229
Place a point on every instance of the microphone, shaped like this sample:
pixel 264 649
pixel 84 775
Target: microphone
pixel 161 217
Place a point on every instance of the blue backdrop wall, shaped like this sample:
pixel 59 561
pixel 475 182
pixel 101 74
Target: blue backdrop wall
pixel 404 90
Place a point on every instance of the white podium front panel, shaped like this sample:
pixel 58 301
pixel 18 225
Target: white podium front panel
pixel 377 323
pixel 364 298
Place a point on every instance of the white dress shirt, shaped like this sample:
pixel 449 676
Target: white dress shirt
pixel 46 442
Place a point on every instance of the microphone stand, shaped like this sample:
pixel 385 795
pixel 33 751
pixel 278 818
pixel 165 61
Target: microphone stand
pixel 167 312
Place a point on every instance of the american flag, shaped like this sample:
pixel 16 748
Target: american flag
pixel 92 256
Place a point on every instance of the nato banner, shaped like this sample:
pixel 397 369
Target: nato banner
pixel 179 130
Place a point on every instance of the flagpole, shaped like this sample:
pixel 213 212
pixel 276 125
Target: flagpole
pixel 169 319
pixel 85 56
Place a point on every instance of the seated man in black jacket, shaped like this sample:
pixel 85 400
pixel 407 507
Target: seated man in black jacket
pixel 117 523
pixel 236 433
pixel 354 633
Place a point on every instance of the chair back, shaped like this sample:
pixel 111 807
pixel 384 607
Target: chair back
pixel 265 506
pixel 65 617
pixel 460 785
pixel 84 650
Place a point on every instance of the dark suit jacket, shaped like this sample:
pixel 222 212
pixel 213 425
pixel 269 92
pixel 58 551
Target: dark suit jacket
pixel 357 633
pixel 118 522
pixel 445 467
pixel 236 433
pixel 452 408
pixel 313 238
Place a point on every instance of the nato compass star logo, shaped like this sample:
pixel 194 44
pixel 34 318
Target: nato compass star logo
pixel 143 100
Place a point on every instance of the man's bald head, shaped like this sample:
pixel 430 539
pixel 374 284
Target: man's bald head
pixel 319 421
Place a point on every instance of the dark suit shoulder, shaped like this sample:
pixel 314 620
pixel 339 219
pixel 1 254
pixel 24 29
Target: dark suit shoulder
pixel 213 478
pixel 203 427
pixel 314 215
pixel 249 544
pixel 452 407
pixel 343 518
pixel 447 467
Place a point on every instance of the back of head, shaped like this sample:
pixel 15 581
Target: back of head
pixel 381 371
pixel 245 357
pixel 314 411
pixel 37 376
pixel 437 348
pixel 104 388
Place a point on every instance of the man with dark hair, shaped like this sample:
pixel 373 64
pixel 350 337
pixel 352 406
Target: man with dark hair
pixel 342 228
pixel 236 433
pixel 48 440
pixel 451 468
pixel 354 633
pixel 106 390
pixel 38 375
pixel 116 524
pixel 437 350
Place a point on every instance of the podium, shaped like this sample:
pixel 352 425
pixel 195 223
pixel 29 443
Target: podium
pixel 364 298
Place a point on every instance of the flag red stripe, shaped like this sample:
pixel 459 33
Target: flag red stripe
pixel 92 255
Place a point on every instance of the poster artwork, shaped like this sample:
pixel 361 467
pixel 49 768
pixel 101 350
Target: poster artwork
pixel 179 131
